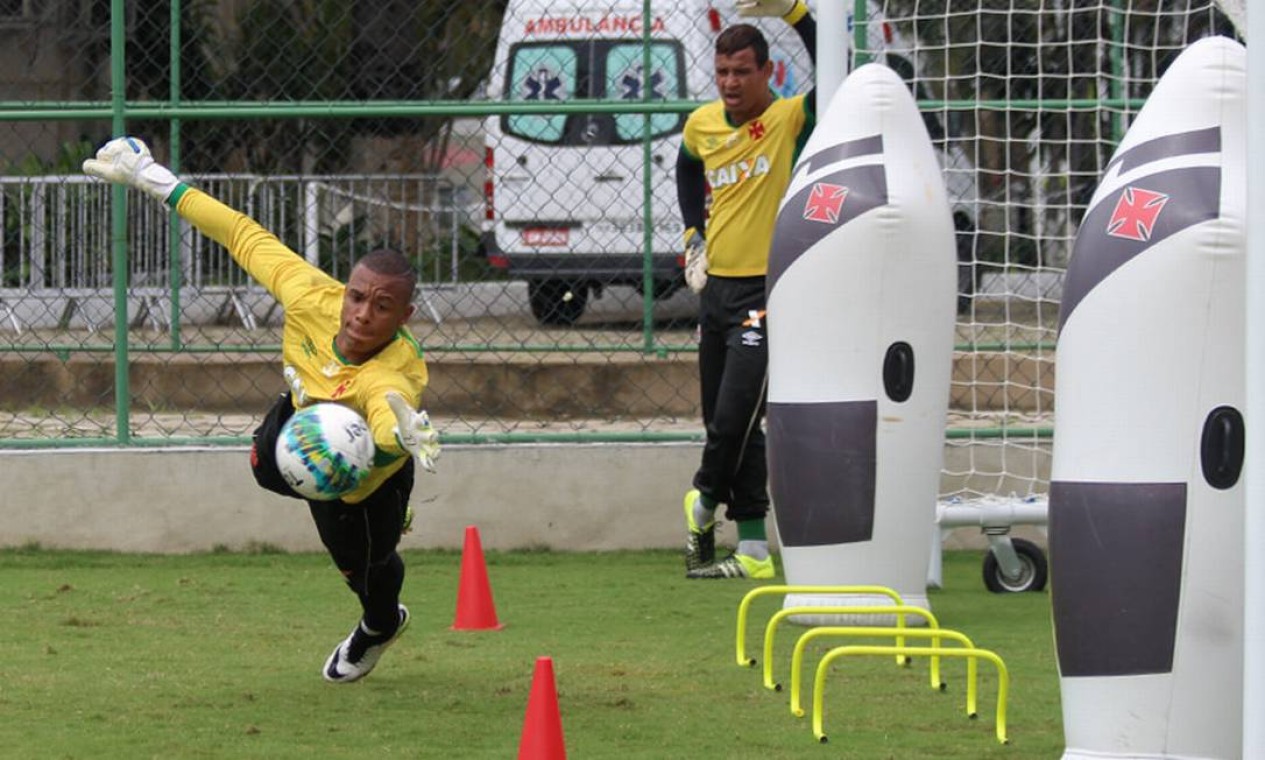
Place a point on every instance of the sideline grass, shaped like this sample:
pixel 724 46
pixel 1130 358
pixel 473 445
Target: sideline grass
pixel 218 655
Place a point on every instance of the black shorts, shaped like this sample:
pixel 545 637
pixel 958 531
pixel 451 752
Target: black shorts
pixel 263 449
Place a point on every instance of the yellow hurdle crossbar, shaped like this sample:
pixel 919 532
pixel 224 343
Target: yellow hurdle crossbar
pixel 933 651
pixel 770 631
pixel 819 683
pixel 745 605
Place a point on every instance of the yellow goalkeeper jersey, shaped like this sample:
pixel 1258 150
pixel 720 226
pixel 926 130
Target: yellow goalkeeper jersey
pixel 313 306
pixel 748 167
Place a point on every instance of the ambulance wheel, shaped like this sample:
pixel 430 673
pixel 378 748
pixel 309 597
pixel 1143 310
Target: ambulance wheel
pixel 557 302
pixel 1034 570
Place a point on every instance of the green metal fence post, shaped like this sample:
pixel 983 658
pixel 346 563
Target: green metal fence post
pixel 176 276
pixel 647 213
pixel 118 225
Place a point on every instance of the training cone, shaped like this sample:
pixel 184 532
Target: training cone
pixel 475 609
pixel 542 727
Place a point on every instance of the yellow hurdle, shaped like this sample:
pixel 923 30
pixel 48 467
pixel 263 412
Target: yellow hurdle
pixel 770 632
pixel 933 651
pixel 819 683
pixel 745 605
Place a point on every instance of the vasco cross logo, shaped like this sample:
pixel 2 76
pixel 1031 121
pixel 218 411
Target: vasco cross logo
pixel 1136 213
pixel 756 130
pixel 824 202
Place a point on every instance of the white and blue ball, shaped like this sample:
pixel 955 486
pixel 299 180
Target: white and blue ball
pixel 325 451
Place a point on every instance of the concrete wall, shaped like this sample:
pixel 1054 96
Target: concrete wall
pixel 566 497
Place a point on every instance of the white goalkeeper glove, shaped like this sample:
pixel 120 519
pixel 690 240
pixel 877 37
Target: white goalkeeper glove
pixel 779 8
pixel 127 161
pixel 695 260
pixel 297 391
pixel 413 431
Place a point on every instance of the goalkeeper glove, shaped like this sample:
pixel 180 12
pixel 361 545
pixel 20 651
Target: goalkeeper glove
pixel 127 161
pixel 413 431
pixel 781 8
pixel 695 260
pixel 297 391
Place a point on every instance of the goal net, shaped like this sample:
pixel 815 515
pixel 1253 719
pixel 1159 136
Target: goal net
pixel 1026 102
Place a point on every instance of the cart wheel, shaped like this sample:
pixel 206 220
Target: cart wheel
pixel 1033 570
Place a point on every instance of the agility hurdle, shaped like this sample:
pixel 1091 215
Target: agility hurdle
pixel 819 682
pixel 770 632
pixel 745 605
pixel 933 651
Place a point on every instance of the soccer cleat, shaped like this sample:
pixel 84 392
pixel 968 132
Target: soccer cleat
pixel 736 566
pixel 700 543
pixel 357 655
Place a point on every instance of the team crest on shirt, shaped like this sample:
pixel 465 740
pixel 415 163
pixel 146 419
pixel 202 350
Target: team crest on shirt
pixel 329 370
pixel 756 129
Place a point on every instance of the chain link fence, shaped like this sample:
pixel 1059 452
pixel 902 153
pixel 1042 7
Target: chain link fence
pixel 522 151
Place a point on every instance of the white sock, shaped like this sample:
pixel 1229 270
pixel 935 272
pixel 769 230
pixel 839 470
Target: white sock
pixel 757 550
pixel 702 515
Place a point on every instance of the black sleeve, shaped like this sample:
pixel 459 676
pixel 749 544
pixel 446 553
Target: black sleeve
pixel 691 189
pixel 806 28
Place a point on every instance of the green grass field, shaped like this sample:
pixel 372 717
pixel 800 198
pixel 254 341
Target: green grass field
pixel 218 655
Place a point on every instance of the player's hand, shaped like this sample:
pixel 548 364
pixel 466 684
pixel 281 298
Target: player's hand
pixel 413 431
pixel 297 390
pixel 777 8
pixel 126 161
pixel 695 260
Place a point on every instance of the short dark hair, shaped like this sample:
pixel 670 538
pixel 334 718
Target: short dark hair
pixel 740 37
pixel 392 263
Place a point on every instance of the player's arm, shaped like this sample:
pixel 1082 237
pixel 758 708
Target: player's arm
pixel 795 13
pixel 400 427
pixel 284 273
pixel 691 189
pixel 127 160
pixel 691 194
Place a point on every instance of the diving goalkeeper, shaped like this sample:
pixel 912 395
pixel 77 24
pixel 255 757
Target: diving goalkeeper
pixel 348 344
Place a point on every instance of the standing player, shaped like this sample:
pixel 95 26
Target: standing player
pixel 744 147
pixel 346 344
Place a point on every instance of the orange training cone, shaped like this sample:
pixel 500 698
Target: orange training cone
pixel 475 609
pixel 542 727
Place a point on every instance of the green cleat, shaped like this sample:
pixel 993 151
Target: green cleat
pixel 700 542
pixel 736 566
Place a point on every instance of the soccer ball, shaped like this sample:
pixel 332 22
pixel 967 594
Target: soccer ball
pixel 324 451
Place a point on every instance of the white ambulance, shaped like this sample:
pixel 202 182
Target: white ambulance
pixel 565 193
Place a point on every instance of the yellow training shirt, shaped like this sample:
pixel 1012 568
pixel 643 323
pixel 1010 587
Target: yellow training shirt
pixel 313 307
pixel 748 168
